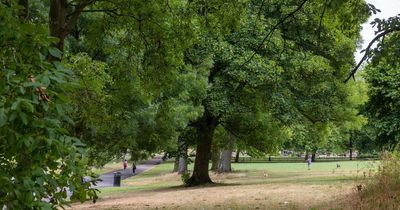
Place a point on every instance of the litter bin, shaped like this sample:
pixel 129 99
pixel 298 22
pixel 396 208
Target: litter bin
pixel 117 179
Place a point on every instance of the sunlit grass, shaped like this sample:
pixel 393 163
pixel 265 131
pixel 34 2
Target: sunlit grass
pixel 109 167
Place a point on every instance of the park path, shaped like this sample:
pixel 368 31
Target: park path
pixel 108 178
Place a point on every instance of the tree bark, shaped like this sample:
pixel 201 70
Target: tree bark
pixel 63 18
pixel 306 156
pixel 205 131
pixel 182 165
pixel 182 156
pixel 215 157
pixel 351 154
pixel 237 156
pixel 57 15
pixel 225 165
pixel 313 157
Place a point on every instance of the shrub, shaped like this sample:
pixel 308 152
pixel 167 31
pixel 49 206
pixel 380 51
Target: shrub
pixel 185 177
pixel 383 191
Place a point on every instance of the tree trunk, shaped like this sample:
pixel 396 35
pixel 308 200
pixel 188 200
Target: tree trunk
pixel 351 146
pixel 225 165
pixel 306 156
pixel 205 130
pixel 215 157
pixel 351 154
pixel 63 17
pixel 182 156
pixel 237 156
pixel 182 165
pixel 176 165
pixel 57 15
pixel 24 13
pixel 225 162
pixel 313 157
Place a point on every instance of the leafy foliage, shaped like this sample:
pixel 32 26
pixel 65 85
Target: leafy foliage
pixel 39 160
pixel 383 76
pixel 152 93
pixel 278 74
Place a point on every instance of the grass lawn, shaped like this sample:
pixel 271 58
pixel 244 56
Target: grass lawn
pixel 251 185
pixel 109 167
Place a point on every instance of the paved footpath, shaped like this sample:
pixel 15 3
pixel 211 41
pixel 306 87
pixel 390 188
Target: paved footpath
pixel 108 178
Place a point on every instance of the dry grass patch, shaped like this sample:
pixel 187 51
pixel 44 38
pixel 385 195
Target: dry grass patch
pixel 262 196
pixel 171 178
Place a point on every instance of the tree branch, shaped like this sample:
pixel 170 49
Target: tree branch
pixel 320 22
pixel 368 50
pixel 227 128
pixel 95 10
pixel 74 16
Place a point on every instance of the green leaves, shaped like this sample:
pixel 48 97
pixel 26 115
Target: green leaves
pixel 36 159
pixel 3 117
pixel 55 52
pixel 382 108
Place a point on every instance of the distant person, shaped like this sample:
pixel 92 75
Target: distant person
pixel 309 162
pixel 125 164
pixel 133 168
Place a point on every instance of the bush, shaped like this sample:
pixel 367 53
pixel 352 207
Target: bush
pixel 383 191
pixel 185 177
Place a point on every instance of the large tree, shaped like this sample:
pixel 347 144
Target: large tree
pixel 292 74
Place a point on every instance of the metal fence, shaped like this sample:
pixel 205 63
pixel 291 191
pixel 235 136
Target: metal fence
pixel 300 159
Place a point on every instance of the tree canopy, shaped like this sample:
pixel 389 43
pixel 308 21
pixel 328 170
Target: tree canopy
pixel 260 84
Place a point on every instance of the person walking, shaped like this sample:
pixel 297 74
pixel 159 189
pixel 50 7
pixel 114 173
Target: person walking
pixel 309 160
pixel 133 168
pixel 125 164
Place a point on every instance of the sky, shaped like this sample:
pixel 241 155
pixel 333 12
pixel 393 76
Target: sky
pixel 388 9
